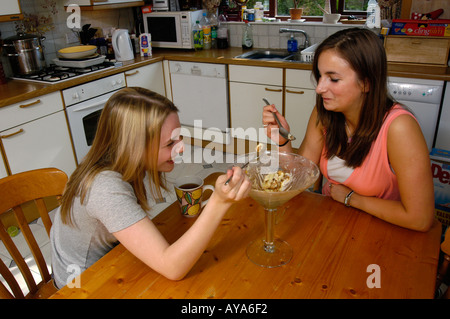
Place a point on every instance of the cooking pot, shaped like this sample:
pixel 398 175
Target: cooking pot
pixel 25 53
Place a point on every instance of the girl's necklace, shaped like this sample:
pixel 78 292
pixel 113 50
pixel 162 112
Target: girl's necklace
pixel 349 134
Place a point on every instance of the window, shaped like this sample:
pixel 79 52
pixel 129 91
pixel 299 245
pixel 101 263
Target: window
pixel 280 8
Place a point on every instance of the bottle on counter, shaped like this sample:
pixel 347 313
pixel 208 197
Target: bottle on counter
pixel 206 26
pixel 214 22
pixel 247 36
pixel 292 44
pixel 373 14
pixel 259 11
pixel 222 33
pixel 198 36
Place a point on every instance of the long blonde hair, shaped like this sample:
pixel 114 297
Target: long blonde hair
pixel 127 138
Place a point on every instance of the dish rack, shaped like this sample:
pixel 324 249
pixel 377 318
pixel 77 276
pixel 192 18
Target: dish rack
pixel 307 55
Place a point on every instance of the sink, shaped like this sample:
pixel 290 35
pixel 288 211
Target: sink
pixel 271 55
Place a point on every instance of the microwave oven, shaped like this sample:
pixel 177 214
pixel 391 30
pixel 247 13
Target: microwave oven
pixel 172 29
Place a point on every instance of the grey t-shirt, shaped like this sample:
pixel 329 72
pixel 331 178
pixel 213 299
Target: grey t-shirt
pixel 110 206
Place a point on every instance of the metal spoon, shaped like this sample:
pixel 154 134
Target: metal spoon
pixel 259 148
pixel 283 132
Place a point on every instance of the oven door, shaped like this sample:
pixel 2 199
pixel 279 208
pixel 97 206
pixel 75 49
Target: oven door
pixel 165 28
pixel 83 118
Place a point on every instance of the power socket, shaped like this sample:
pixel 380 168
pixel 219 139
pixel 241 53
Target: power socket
pixel 71 38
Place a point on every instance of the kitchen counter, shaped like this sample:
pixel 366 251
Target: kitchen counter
pixel 15 91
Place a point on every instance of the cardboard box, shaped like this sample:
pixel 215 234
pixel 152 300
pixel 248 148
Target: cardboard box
pixel 428 28
pixel 440 168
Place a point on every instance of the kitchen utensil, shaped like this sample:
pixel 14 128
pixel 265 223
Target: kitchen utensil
pixel 322 9
pixel 122 46
pixel 78 51
pixel 259 148
pixel 283 132
pixel 25 53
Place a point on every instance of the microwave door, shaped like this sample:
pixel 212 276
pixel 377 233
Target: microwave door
pixel 165 30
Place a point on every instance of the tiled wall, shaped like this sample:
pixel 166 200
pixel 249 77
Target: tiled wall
pixel 267 34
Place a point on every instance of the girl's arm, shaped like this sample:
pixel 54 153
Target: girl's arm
pixel 174 261
pixel 408 156
pixel 312 143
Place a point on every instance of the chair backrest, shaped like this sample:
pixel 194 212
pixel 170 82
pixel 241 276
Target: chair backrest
pixel 15 190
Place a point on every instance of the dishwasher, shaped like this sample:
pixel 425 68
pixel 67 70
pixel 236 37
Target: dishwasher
pixel 200 91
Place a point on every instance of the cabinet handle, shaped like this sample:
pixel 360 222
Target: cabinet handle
pixel 295 92
pixel 30 104
pixel 273 90
pixel 12 134
pixel 133 73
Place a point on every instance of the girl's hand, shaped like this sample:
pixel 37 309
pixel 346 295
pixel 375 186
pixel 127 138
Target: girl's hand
pixel 338 192
pixel 270 124
pixel 237 188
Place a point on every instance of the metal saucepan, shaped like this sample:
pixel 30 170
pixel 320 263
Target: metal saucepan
pixel 25 53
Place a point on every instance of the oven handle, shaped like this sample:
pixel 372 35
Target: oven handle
pixel 91 106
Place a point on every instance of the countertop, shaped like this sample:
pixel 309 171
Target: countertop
pixel 15 91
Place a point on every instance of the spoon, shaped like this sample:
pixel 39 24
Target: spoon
pixel 259 148
pixel 283 132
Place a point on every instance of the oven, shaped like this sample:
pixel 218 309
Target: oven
pixel 84 104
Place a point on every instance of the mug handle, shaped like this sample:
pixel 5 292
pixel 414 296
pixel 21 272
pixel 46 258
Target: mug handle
pixel 205 187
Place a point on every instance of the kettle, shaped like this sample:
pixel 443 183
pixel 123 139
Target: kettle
pixel 121 43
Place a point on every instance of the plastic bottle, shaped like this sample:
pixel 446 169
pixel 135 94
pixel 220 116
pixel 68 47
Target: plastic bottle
pixel 373 14
pixel 292 44
pixel 259 11
pixel 222 33
pixel 204 22
pixel 247 37
pixel 214 26
pixel 198 36
pixel 251 15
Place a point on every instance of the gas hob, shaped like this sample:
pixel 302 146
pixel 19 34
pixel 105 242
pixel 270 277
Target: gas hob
pixel 55 74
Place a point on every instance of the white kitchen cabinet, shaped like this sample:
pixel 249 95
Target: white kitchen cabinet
pixel 300 98
pixel 34 134
pixel 150 77
pixel 10 10
pixel 3 172
pixel 248 86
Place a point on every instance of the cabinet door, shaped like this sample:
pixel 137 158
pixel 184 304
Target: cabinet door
pixel 246 108
pixel 299 105
pixel 42 143
pixel 3 172
pixel 150 77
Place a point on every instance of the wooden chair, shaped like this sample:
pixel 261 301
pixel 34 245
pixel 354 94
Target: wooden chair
pixel 443 269
pixel 15 190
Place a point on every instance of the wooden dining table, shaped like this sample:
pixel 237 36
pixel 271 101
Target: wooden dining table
pixel 338 252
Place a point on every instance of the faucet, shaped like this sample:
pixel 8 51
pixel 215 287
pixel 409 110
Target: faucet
pixel 284 30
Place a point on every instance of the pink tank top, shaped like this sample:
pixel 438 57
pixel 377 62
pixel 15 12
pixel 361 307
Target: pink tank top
pixel 374 177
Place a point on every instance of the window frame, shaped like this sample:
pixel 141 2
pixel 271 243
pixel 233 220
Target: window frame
pixel 338 9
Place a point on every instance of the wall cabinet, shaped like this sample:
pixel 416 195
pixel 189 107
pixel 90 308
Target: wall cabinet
pixel 248 86
pixel 150 77
pixel 34 134
pixel 10 10
pixel 300 98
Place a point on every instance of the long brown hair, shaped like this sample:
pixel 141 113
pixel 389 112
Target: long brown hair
pixel 365 53
pixel 129 125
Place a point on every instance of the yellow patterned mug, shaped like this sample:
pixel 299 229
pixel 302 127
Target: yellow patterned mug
pixel 189 191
